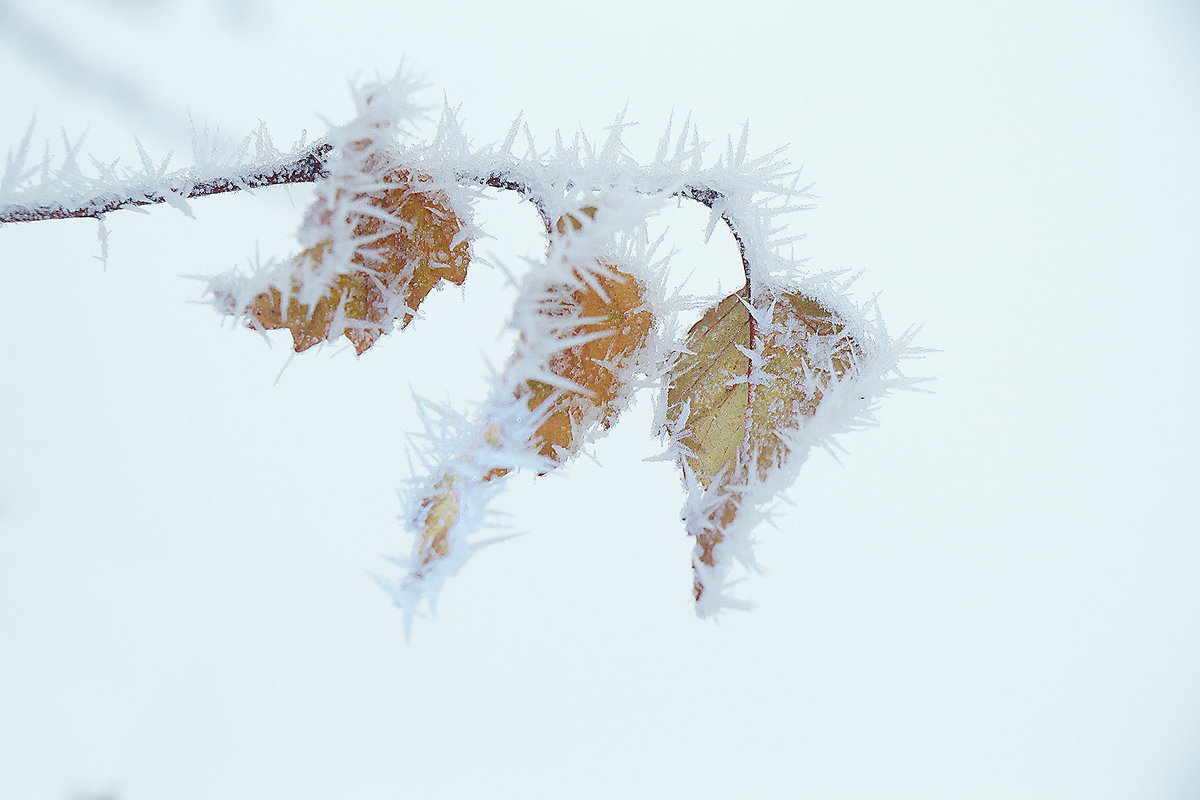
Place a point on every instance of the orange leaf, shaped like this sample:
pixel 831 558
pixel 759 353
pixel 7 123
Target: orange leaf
pixel 606 313
pixel 399 263
pixel 612 309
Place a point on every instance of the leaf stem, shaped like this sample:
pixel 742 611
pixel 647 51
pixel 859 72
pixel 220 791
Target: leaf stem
pixel 710 197
pixel 502 180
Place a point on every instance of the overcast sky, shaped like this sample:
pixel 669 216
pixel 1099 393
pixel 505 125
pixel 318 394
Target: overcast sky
pixel 994 594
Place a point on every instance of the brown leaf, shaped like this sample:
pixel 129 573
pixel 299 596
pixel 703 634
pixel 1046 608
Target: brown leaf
pixel 440 510
pixel 440 514
pixel 399 264
pixel 616 314
pixel 738 417
pixel 616 320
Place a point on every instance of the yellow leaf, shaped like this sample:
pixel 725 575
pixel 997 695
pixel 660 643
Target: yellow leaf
pixel 746 382
pixel 612 308
pixel 439 513
pixel 402 261
pixel 440 509
pixel 609 315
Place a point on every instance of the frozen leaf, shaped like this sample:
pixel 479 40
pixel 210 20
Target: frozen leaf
pixel 611 323
pixel 405 242
pixel 606 314
pixel 439 513
pixel 586 339
pixel 747 381
pixel 441 509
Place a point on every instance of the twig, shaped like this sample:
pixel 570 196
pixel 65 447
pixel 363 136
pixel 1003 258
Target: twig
pixel 710 197
pixel 307 168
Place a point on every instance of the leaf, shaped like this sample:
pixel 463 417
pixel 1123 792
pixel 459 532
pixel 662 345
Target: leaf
pixel 604 309
pixel 440 510
pixel 613 329
pixel 599 326
pixel 402 254
pixel 747 381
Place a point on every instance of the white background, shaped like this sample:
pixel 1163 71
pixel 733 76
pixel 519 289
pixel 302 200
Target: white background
pixel 994 595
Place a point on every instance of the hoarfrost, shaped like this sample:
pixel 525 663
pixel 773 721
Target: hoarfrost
pixel 749 195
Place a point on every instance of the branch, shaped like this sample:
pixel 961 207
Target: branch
pixel 307 168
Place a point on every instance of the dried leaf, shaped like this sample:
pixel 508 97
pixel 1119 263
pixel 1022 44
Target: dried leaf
pixel 615 322
pixel 440 510
pixel 749 378
pixel 605 313
pixel 439 514
pixel 401 260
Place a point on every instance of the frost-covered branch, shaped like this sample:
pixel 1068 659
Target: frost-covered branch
pixel 66 194
pixel 146 189
pixel 783 366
